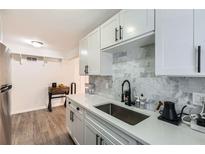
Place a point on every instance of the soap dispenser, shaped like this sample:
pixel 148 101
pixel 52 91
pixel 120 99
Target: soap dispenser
pixel 142 101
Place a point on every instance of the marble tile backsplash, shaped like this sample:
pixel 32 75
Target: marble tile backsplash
pixel 138 66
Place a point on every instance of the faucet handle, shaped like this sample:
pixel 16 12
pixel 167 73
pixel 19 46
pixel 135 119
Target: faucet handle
pixel 122 97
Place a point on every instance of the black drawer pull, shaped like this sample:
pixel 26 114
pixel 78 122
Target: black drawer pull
pixel 78 108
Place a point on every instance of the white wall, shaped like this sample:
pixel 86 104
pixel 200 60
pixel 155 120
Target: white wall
pixel 1 28
pixel 72 53
pixel 31 80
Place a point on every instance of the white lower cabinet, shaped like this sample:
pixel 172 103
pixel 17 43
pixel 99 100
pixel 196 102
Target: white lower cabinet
pixel 75 122
pixel 68 119
pixel 86 128
pixel 94 137
pixel 78 129
pixel 109 134
pixel 91 135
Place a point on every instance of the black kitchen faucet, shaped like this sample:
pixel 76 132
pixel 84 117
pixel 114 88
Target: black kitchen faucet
pixel 126 96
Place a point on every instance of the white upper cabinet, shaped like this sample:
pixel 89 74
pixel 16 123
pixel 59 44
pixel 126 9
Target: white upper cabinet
pixel 180 43
pixel 110 32
pixel 83 53
pixel 199 40
pixel 136 22
pixel 94 52
pixel 92 60
pixel 125 25
pixel 174 52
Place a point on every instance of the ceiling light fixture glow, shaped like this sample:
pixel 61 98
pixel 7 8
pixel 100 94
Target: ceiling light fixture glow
pixel 36 44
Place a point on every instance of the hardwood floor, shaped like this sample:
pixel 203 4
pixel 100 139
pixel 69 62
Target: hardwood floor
pixel 40 127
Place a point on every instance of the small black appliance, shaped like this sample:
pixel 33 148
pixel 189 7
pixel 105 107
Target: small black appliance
pixel 169 113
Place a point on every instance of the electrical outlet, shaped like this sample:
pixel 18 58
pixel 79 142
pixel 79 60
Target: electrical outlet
pixel 198 98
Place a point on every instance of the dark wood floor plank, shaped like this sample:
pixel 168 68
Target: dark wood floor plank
pixel 41 128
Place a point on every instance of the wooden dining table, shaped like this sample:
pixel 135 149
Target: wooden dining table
pixel 57 92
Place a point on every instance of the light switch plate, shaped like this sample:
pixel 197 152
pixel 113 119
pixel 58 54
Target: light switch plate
pixel 198 98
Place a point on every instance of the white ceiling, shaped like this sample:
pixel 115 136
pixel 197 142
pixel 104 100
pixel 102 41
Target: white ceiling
pixel 60 30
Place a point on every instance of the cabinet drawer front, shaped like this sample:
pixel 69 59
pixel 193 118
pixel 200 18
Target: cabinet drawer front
pixel 78 110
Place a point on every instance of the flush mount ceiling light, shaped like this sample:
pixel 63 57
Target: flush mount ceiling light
pixel 37 44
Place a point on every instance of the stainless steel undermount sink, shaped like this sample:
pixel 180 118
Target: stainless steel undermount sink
pixel 123 114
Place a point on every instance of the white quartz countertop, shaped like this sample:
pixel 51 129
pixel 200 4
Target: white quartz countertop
pixel 149 131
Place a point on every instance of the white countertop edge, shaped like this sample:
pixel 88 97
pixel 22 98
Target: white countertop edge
pixel 86 102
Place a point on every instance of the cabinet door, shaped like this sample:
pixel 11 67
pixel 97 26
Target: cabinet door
pixel 110 32
pixel 71 125
pixel 68 119
pixel 78 129
pixel 136 22
pixel 199 40
pixel 94 52
pixel 91 135
pixel 105 141
pixel 83 53
pixel 174 53
pixel 94 137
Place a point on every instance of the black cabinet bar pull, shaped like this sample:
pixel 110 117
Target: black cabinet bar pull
pixel 97 136
pixel 101 141
pixel 116 31
pixel 199 59
pixel 121 32
pixel 71 116
pixel 86 69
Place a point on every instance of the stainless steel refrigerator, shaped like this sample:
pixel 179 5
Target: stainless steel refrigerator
pixel 5 89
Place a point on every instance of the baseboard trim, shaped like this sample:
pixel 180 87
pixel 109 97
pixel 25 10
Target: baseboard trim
pixel 34 109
